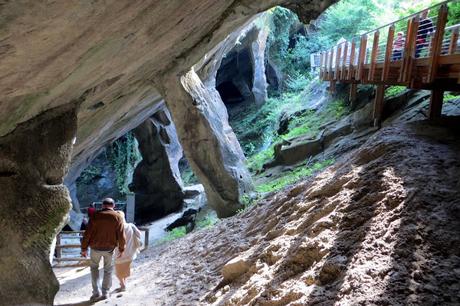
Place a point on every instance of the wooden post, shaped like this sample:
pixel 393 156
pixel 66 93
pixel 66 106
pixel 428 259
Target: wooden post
pixel 332 86
pixel 58 244
pixel 321 65
pixel 344 61
pixel 324 65
pixel 375 51
pixel 436 99
pixel 361 58
pixel 130 207
pixel 409 50
pixel 331 54
pixel 453 41
pixel 437 44
pixel 352 60
pixel 146 239
pixel 337 62
pixel 388 53
pixel 353 94
pixel 378 105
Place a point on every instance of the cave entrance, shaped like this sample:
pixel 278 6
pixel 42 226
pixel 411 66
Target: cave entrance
pixel 234 79
pixel 229 93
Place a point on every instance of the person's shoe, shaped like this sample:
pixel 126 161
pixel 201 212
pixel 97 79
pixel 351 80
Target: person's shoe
pixel 103 297
pixel 95 297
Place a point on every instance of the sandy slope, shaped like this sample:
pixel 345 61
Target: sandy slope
pixel 380 227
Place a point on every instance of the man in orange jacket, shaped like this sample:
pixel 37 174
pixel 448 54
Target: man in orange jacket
pixel 104 233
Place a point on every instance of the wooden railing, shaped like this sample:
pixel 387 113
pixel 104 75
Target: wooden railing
pixel 408 52
pixel 77 236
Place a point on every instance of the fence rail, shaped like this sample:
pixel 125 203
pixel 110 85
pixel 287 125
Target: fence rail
pixel 82 261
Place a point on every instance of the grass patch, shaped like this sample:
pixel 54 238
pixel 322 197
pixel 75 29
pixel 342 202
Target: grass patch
pixel 208 221
pixel 293 176
pixel 176 233
pixel 394 91
pixel 450 97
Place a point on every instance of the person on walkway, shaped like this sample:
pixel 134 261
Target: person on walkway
pixel 105 232
pixel 398 46
pixel 91 210
pixel 133 246
pixel 425 29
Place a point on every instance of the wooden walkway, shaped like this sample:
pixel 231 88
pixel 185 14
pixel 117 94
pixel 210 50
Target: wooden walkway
pixel 416 52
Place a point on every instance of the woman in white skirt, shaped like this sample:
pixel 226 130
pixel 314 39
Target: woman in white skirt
pixel 133 246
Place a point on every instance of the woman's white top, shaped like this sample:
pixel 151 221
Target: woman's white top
pixel 133 244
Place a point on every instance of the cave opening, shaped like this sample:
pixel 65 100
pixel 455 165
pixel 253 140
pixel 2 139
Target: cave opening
pixel 229 93
pixel 234 79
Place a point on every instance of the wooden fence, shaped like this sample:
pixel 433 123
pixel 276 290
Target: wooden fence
pixel 77 236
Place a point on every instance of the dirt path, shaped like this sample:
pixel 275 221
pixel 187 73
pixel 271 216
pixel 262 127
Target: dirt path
pixel 381 226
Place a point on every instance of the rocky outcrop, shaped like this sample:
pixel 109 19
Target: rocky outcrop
pixel 209 143
pixel 104 55
pixel 33 204
pixel 156 179
pixel 241 75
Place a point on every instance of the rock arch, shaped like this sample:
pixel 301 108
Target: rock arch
pixel 112 59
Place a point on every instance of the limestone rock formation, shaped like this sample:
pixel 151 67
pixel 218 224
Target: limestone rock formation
pixel 156 179
pixel 33 204
pixel 208 141
pixel 240 76
pixel 107 57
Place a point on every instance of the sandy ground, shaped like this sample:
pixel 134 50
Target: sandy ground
pixel 380 227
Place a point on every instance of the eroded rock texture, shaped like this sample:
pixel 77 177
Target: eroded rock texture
pixel 241 75
pixel 209 143
pixel 156 180
pixel 33 204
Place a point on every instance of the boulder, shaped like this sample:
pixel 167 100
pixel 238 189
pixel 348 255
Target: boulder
pixel 235 268
pixel 301 148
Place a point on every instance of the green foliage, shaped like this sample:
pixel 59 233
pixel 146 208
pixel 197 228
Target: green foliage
pixel 89 174
pixel 188 177
pixel 307 124
pixel 247 202
pixel 281 22
pixel 176 233
pixel 448 96
pixel 310 122
pixel 208 221
pixel 454 13
pixel 394 91
pixel 293 176
pixel 256 161
pixel 124 155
